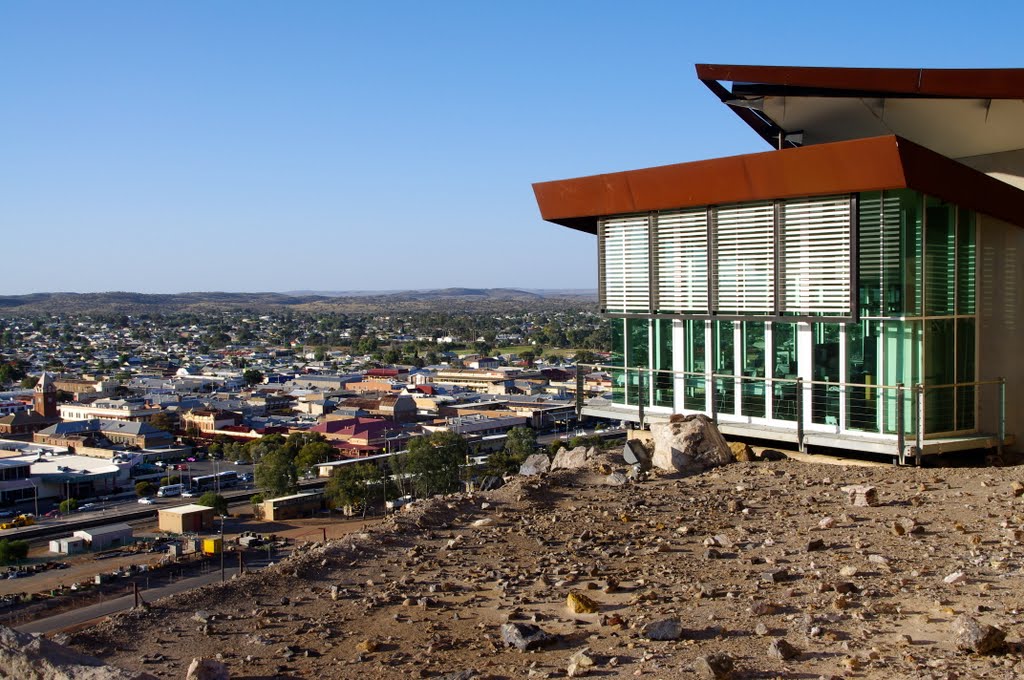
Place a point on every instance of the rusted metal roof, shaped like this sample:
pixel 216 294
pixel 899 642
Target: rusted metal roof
pixel 871 164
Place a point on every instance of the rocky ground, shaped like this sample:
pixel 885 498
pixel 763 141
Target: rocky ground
pixel 767 568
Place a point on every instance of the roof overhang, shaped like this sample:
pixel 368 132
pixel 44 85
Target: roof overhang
pixel 960 113
pixel 854 166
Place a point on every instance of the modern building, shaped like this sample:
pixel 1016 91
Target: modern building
pixel 856 287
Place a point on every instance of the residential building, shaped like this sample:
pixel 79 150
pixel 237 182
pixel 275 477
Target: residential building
pixel 856 287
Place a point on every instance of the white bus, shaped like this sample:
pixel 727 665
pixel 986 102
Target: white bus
pixel 170 490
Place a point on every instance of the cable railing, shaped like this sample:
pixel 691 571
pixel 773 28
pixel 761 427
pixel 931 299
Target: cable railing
pixel 908 414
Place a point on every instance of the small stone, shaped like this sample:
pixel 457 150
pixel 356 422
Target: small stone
pixel 815 545
pixel 368 646
pixel 826 523
pixel 783 650
pixel 207 669
pixel 578 603
pixel 484 522
pixel 665 629
pixel 977 638
pixel 955 578
pixel 714 667
pixel 761 629
pixel 861 495
pixel 774 576
pixel 580 663
pixel 1018 489
pixel 524 636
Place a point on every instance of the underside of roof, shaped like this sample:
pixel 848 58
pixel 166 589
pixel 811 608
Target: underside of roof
pixel 854 166
pixel 972 115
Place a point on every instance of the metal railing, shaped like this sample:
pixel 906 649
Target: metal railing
pixel 905 413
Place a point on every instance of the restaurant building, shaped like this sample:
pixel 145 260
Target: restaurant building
pixel 856 287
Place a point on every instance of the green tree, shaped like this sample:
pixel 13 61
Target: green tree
pixel 253 377
pixel 214 500
pixel 313 453
pixel 170 479
pixel 12 550
pixel 585 356
pixel 349 484
pixel 521 442
pixel 162 421
pixel 434 463
pixel 276 474
pixel 145 489
pixel 67 506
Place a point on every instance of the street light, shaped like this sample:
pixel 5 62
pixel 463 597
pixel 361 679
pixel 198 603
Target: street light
pixel 222 578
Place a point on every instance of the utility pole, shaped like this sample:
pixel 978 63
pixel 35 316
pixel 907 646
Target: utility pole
pixel 222 577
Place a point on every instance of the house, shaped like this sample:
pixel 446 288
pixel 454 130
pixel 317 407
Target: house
pixel 856 287
pixel 290 507
pixel 109 536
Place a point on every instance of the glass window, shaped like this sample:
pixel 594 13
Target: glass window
pixel 863 345
pixel 965 262
pixel 752 358
pixel 618 358
pixel 785 366
pixel 695 392
pixel 638 381
pixel 965 373
pixel 939 375
pixel 825 365
pixel 940 257
pixel 724 365
pixel 663 379
pixel 902 356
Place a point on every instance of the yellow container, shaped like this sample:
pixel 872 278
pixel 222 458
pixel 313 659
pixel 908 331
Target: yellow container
pixel 211 546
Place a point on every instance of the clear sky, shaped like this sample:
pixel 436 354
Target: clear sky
pixel 275 146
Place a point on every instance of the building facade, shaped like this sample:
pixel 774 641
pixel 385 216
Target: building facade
pixel 854 288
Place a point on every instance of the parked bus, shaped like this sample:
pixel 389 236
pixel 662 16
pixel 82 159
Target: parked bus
pixel 170 490
pixel 222 480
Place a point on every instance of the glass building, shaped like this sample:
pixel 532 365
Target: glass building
pixel 855 288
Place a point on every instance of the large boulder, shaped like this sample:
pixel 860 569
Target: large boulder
pixel 535 464
pixel 571 459
pixel 28 657
pixel 689 444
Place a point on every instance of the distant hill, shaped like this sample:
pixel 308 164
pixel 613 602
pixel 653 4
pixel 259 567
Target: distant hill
pixel 356 302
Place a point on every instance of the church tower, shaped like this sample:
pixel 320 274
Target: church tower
pixel 46 396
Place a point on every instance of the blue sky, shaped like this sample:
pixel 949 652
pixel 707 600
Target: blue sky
pixel 272 146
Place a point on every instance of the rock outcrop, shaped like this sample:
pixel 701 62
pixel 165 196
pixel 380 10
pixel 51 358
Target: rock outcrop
pixel 27 657
pixel 689 444
pixel 571 459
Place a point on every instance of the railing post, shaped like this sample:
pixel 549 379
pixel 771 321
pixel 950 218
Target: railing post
pixel 640 396
pixel 1002 414
pixel 800 414
pixel 712 391
pixel 920 424
pixel 901 434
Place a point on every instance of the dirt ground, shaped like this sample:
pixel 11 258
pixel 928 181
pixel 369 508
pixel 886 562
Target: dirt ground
pixel 735 559
pixel 85 566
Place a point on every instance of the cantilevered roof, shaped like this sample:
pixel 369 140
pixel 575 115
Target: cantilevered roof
pixel 960 113
pixel 871 164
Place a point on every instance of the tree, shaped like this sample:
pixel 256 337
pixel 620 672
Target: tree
pixel 520 443
pixel 162 421
pixel 67 506
pixel 585 356
pixel 434 461
pixel 214 500
pixel 313 453
pixel 349 484
pixel 145 489
pixel 170 479
pixel 252 377
pixel 12 550
pixel 276 474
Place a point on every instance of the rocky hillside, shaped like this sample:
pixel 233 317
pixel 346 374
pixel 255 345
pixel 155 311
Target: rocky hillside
pixel 751 570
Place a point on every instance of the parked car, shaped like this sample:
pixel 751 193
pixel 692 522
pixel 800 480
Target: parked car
pixel 86 506
pixel 146 501
pixel 188 494
pixel 52 513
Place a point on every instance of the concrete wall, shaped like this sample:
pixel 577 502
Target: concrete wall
pixel 1000 318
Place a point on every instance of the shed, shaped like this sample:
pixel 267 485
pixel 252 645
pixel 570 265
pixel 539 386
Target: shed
pixel 109 536
pixel 186 518
pixel 69 545
pixel 287 507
